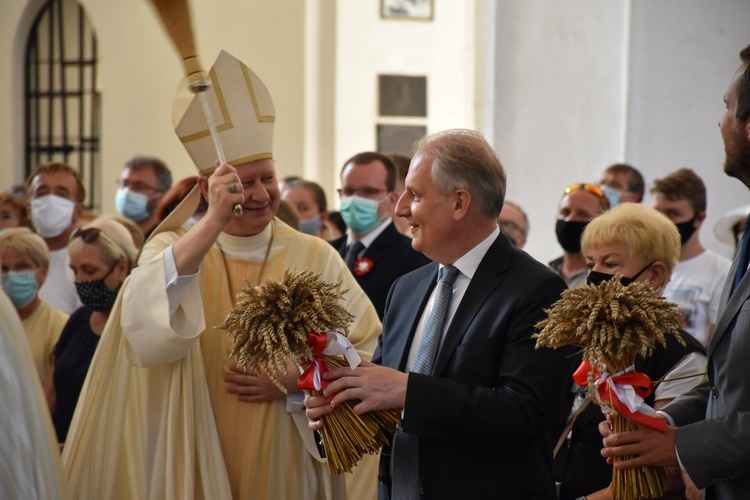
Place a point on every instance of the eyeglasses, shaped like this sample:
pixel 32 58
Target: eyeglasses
pixel 589 188
pixel 363 192
pixel 136 186
pixel 88 235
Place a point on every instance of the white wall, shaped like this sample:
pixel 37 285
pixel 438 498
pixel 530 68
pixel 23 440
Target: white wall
pixel 12 46
pixel 560 102
pixel 442 50
pixel 582 84
pixel 683 55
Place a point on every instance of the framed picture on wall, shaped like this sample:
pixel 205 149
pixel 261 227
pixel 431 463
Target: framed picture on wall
pixel 420 10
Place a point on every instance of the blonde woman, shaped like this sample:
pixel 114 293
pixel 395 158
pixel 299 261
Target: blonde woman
pixel 25 262
pixel 631 242
pixel 102 255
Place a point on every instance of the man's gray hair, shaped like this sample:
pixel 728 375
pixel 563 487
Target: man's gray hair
pixel 163 175
pixel 463 159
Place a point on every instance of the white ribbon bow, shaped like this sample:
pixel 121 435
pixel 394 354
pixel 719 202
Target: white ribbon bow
pixel 625 393
pixel 341 345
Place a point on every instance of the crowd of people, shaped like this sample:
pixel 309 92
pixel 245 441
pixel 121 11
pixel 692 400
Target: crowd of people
pixel 119 311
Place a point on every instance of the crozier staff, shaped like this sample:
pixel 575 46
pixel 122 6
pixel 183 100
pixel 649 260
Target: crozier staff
pixel 248 440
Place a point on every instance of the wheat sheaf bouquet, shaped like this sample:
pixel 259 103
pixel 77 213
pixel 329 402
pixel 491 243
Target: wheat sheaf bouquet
pixel 300 318
pixel 612 324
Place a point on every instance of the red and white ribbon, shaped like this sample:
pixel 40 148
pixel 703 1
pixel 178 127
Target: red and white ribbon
pixel 625 391
pixel 330 344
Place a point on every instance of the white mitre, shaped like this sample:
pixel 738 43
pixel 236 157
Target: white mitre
pixel 242 111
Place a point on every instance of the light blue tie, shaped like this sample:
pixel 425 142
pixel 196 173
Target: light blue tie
pixel 406 446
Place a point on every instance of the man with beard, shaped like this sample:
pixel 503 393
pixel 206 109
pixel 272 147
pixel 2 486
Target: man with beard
pixel 712 422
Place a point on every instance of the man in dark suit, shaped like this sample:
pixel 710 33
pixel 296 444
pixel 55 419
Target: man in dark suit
pixel 375 252
pixel 457 353
pixel 713 434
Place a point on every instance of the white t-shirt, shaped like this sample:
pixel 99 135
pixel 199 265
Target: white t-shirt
pixel 59 289
pixel 696 287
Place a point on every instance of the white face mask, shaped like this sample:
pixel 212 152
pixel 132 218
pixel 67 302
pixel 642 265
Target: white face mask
pixel 51 215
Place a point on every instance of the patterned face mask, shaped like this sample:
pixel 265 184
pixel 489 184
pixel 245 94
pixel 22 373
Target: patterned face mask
pixel 95 294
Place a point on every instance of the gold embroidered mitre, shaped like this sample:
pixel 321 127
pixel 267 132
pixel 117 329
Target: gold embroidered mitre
pixel 242 111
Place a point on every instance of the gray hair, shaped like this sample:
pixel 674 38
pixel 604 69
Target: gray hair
pixel 163 175
pixel 463 159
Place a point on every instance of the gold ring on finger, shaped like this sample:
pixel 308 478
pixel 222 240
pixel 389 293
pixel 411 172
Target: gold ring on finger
pixel 232 187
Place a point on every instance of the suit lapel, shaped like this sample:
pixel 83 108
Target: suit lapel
pixel 487 278
pixel 381 244
pixel 730 303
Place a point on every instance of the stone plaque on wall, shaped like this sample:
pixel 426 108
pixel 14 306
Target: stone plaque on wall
pixel 402 95
pixel 399 139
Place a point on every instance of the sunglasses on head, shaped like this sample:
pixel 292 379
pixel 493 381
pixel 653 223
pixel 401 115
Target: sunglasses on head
pixel 589 188
pixel 88 235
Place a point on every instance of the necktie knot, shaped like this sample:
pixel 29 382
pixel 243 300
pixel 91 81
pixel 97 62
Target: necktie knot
pixel 352 253
pixel 449 274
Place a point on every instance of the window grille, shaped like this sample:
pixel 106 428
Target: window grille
pixel 63 101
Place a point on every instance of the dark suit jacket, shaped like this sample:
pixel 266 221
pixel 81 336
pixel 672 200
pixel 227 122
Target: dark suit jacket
pixel 392 256
pixel 716 451
pixel 483 417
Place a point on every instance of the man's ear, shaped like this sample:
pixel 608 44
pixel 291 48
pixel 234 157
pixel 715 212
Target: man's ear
pixel 203 186
pixel 461 200
pixel 700 218
pixel 77 212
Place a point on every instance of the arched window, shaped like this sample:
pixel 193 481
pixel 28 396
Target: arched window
pixel 62 97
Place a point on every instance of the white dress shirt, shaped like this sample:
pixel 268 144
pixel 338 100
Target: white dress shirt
pixel 467 265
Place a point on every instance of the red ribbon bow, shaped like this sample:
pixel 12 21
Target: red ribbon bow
pixel 640 382
pixel 317 342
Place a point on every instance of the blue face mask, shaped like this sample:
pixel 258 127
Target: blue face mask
pixel 311 226
pixel 132 205
pixel 612 195
pixel 360 214
pixel 21 287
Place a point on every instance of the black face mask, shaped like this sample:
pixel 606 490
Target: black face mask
pixel 686 229
pixel 95 294
pixel 569 235
pixel 596 278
